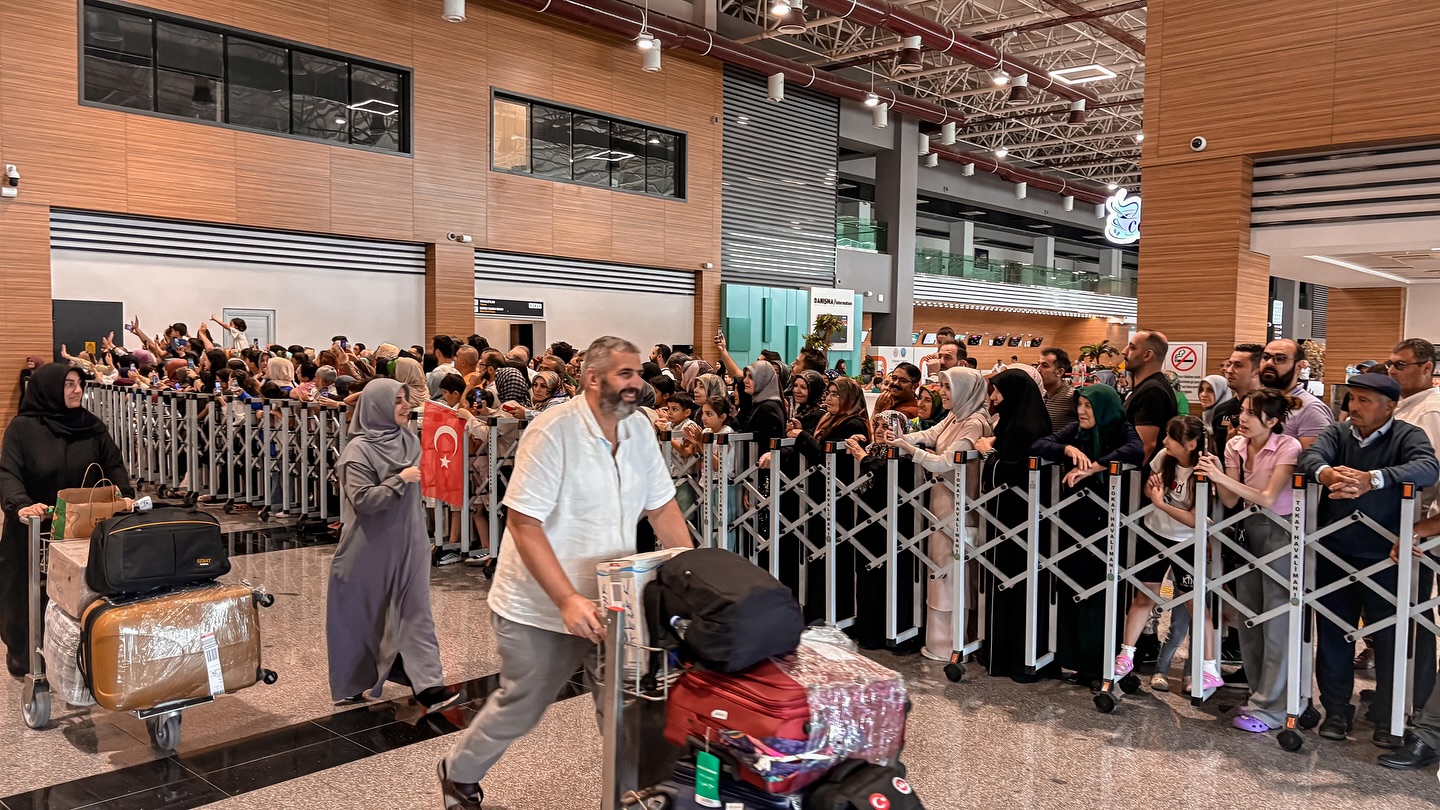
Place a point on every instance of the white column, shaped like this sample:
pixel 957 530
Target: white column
pixel 962 238
pixel 1044 251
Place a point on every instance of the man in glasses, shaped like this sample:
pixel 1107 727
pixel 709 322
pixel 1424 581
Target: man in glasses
pixel 1412 363
pixel 1279 369
pixel 900 391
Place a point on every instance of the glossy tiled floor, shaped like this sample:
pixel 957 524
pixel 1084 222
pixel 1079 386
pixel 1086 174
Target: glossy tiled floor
pixel 984 743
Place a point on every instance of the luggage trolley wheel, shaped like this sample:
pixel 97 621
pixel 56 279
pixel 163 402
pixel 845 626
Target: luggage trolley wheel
pixel 1130 684
pixel 268 676
pixel 1105 702
pixel 955 672
pixel 35 704
pixel 164 731
pixel 1290 740
pixel 1309 719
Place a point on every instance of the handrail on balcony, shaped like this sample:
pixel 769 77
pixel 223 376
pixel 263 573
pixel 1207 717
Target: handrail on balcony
pixel 858 233
pixel 941 263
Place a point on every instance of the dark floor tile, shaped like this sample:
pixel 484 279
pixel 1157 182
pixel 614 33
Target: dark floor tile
pixel 178 796
pixel 398 735
pixel 101 787
pixel 284 767
pixel 270 743
pixel 361 718
pixel 479 688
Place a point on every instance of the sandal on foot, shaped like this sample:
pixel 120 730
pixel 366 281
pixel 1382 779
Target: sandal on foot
pixel 1254 725
pixel 1124 665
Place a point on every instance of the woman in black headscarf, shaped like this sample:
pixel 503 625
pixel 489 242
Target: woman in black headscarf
pixel 1018 403
pixel 48 447
pixel 807 399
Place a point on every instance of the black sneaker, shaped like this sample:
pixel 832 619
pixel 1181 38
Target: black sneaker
pixel 1336 727
pixel 437 698
pixel 1382 738
pixel 458 794
pixel 17 665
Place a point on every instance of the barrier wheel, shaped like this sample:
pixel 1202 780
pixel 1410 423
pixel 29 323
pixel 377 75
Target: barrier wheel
pixel 955 672
pixel 164 731
pixel 35 707
pixel 1308 719
pixel 265 599
pixel 1105 702
pixel 1130 684
pixel 270 676
pixel 1290 740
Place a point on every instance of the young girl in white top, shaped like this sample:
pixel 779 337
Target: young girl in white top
pixel 1171 488
pixel 716 415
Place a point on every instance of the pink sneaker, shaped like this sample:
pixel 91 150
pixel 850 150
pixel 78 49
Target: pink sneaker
pixel 1212 682
pixel 1124 665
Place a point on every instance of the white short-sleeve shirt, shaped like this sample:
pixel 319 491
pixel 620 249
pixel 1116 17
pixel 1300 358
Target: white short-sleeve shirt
pixel 588 501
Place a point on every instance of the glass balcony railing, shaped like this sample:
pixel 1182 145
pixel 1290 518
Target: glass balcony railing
pixel 857 233
pixel 940 263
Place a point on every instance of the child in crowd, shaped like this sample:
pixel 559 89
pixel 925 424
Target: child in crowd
pixel 1261 456
pixel 716 415
pixel 1171 488
pixel 675 416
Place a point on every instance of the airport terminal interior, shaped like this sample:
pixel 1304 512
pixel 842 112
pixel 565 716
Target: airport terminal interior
pixel 751 404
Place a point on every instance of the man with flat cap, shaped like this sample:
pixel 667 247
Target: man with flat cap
pixel 1361 464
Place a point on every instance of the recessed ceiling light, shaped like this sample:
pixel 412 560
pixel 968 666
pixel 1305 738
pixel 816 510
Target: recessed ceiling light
pixel 974 213
pixel 1042 226
pixel 377 106
pixel 1357 268
pixel 1083 74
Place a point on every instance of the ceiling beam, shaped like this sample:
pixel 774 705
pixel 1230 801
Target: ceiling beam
pixel 1115 32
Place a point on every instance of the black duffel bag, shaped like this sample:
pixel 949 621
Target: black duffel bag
pixel 859 785
pixel 141 551
pixel 722 611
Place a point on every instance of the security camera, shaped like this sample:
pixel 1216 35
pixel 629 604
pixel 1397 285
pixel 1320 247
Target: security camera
pixel 1198 144
pixel 12 174
pixel 463 238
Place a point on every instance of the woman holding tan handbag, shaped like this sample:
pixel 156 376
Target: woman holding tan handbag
pixel 48 447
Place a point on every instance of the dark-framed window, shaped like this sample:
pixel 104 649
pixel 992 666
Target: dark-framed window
pixel 137 59
pixel 538 138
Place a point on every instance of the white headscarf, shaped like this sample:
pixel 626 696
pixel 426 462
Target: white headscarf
pixel 1221 387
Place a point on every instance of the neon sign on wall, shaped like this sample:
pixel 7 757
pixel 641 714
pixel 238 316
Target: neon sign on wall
pixel 1122 218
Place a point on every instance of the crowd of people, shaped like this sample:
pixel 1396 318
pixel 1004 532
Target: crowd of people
pixel 1255 426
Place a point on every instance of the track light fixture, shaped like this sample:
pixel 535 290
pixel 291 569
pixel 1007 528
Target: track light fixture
pixel 650 57
pixel 1139 137
pixel 645 41
pixel 780 8
pixel 792 19
pixel 871 100
pixel 1021 189
pixel 1077 115
pixel 881 114
pixel 924 144
pixel 968 170
pixel 1020 89
pixel 1001 152
pixel 454 11
pixel 1000 78
pixel 947 133
pixel 1068 202
pixel 911 57
pixel 776 87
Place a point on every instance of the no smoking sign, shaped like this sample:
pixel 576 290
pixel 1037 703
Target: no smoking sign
pixel 1184 358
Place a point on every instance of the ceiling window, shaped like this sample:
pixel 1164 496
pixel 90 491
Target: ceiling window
pixel 546 140
pixel 174 67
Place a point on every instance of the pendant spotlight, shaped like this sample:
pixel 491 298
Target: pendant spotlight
pixel 649 52
pixel 924 144
pixel 968 170
pixel 1000 78
pixel 1001 152
pixel 1021 189
pixel 454 11
pixel 1077 114
pixel 645 41
pixel 932 160
pixel 1020 89
pixel 911 58
pixel 1068 202
pixel 871 100
pixel 947 133
pixel 881 114
pixel 1139 137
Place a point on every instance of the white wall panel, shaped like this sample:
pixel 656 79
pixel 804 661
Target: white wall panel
pixel 311 305
pixel 1422 312
pixel 579 316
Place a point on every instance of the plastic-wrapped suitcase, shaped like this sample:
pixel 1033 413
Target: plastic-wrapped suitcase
pixel 140 653
pixel 62 649
pixel 784 722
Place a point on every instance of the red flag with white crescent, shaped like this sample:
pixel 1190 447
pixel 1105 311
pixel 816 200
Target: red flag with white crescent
pixel 442 457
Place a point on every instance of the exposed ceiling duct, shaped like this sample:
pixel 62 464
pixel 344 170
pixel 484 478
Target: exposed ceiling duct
pixel 986 163
pixel 938 37
pixel 626 20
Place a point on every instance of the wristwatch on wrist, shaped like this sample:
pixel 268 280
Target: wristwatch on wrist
pixel 1376 479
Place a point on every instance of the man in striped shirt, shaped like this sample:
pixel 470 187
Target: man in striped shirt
pixel 1059 394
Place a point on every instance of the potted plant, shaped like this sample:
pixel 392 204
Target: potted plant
pixel 1097 352
pixel 826 326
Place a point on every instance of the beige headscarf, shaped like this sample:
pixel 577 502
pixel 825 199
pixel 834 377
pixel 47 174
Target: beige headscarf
pixel 411 374
pixel 280 371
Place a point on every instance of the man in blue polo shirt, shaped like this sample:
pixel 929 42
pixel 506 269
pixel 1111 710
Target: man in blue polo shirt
pixel 1362 463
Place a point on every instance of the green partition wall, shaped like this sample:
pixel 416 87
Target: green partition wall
pixel 756 318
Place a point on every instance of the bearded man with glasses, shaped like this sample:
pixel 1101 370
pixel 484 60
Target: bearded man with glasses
pixel 1279 369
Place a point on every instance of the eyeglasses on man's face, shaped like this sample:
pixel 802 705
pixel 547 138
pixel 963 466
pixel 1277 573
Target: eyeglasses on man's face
pixel 1277 359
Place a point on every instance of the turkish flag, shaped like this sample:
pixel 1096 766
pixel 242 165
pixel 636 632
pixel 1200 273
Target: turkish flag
pixel 442 468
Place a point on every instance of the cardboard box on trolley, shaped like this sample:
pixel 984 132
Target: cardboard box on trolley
pixel 622 582
pixel 65 578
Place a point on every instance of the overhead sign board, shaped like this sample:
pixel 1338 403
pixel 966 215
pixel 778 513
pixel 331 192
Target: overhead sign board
pixel 826 301
pixel 509 308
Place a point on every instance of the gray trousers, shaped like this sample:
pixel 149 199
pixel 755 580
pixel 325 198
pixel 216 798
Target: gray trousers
pixel 534 665
pixel 1265 649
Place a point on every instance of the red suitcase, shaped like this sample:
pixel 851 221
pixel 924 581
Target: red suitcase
pixel 715 710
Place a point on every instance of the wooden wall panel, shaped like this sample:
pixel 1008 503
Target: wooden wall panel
pixel 301 169
pixel 582 222
pixel 1362 19
pixel 1066 333
pixel 1362 324
pixel 449 282
pixel 521 214
pixel 452 154
pixel 1224 35
pixel 378 29
pixel 25 327
pixel 372 195
pixel 1383 91
pixel 171 171
pixel 523 68
pixel 295 20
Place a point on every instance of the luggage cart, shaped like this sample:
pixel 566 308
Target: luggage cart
pixel 162 722
pixel 623 699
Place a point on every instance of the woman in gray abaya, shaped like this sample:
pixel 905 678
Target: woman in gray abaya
pixel 378 622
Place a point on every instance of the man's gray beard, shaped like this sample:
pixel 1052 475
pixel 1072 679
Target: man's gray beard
pixel 613 404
